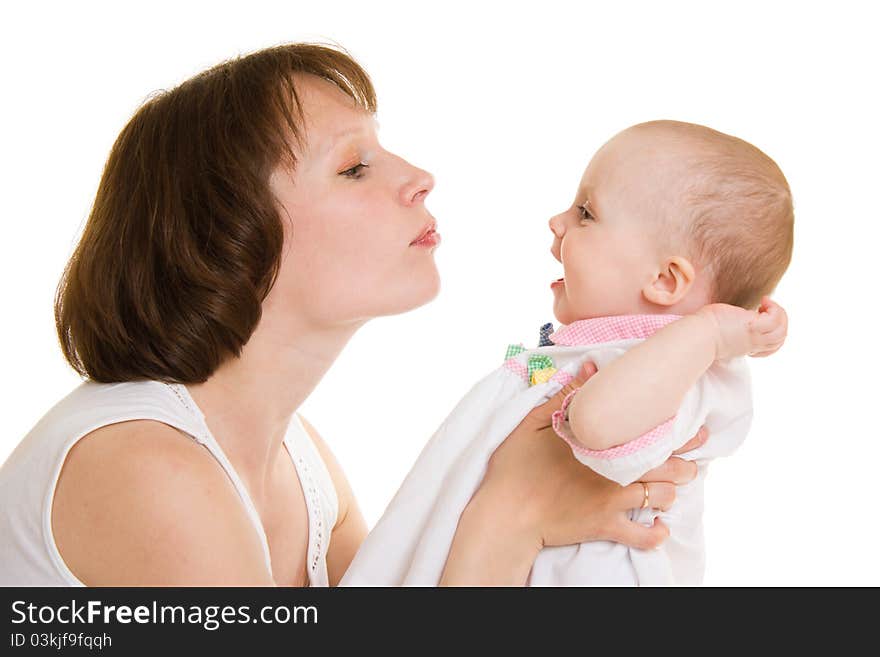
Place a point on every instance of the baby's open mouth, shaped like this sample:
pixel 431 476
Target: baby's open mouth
pixel 558 281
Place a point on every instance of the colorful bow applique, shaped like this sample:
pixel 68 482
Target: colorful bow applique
pixel 540 368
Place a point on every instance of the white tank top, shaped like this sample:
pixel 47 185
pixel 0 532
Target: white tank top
pixel 28 554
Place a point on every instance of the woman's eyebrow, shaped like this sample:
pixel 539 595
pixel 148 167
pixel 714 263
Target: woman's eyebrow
pixel 333 141
pixel 343 135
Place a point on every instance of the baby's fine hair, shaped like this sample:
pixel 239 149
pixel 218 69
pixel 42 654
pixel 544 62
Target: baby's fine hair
pixel 739 217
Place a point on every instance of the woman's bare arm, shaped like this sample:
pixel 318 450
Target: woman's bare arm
pixel 139 504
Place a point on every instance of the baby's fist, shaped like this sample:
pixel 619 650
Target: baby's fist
pixel 740 332
pixel 771 326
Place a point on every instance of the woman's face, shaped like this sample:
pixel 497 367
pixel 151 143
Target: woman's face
pixel 359 241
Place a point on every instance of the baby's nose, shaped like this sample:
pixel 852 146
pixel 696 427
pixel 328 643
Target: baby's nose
pixel 557 225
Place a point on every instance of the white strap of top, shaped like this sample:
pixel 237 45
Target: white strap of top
pixel 299 453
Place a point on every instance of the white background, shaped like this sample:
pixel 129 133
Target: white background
pixel 505 103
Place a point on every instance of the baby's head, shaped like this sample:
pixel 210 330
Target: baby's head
pixel 670 217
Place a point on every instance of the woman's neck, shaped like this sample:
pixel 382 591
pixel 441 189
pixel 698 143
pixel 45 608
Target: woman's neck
pixel 249 401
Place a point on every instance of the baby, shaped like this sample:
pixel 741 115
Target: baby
pixel 676 235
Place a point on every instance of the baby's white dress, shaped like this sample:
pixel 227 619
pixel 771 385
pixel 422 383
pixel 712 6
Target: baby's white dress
pixel 410 543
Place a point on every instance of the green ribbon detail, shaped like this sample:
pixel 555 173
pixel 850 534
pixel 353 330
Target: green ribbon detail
pixel 539 362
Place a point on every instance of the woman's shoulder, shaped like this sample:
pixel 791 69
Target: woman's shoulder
pixel 92 405
pixel 89 408
pixel 157 508
pixel 149 443
pixel 115 476
pixel 37 458
pixel 118 461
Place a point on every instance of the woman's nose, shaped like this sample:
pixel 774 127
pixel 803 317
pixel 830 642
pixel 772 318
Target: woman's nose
pixel 418 185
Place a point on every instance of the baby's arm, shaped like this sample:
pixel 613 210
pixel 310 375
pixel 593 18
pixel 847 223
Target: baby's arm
pixel 645 386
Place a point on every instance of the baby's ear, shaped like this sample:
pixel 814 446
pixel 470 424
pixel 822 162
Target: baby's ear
pixel 671 282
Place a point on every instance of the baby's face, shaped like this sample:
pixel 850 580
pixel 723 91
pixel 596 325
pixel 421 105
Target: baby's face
pixel 609 240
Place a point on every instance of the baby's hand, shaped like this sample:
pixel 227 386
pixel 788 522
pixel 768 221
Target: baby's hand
pixel 741 332
pixel 771 326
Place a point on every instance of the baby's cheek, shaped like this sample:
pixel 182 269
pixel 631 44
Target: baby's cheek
pixel 596 295
pixel 582 290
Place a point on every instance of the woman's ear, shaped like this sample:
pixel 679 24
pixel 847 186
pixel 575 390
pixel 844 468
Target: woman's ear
pixel 671 282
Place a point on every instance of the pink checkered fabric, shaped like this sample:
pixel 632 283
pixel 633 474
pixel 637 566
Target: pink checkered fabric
pixel 609 329
pixel 517 368
pixel 560 426
pixel 559 420
pixel 562 377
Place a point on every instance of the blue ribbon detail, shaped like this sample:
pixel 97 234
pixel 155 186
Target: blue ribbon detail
pixel 544 340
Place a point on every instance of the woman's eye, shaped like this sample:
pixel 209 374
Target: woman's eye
pixel 357 171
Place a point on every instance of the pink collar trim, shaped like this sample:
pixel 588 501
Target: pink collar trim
pixel 609 329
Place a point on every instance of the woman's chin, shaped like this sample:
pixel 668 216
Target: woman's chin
pixel 427 292
pixel 420 291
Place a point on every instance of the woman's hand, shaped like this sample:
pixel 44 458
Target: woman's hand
pixel 536 494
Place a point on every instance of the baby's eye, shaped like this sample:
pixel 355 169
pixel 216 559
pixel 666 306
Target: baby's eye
pixel 585 214
pixel 355 172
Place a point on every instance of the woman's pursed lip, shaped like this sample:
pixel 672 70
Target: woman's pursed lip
pixel 429 239
pixel 430 227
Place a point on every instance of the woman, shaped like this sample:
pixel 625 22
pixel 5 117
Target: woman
pixel 246 225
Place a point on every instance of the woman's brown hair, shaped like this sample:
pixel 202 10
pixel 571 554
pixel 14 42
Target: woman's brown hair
pixel 184 239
